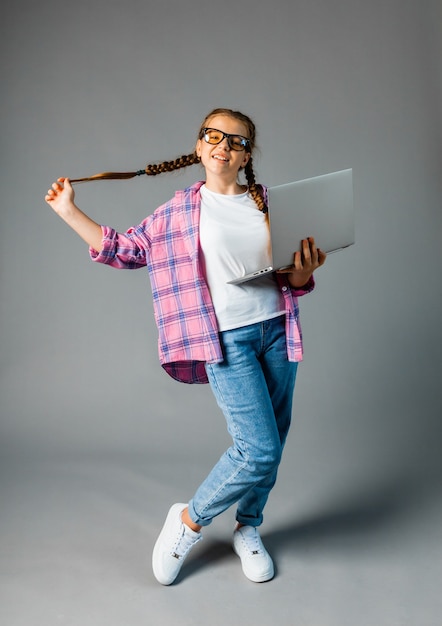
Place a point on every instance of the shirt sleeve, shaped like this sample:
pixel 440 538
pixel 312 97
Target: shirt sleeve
pixel 307 288
pixel 296 291
pixel 123 250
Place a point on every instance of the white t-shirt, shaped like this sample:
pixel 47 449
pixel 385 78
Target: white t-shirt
pixel 235 240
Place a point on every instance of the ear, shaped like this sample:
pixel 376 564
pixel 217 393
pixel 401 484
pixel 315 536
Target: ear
pixel 198 148
pixel 245 159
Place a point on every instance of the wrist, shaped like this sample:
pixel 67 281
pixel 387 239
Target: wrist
pixel 67 210
pixel 299 281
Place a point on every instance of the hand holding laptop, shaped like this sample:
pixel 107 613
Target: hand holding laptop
pixel 305 262
pixel 322 206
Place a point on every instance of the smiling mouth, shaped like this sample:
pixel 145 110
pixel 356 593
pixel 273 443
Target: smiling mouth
pixel 220 158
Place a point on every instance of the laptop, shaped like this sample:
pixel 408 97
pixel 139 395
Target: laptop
pixel 319 207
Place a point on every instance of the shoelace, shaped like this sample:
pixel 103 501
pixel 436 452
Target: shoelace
pixel 183 544
pixel 253 542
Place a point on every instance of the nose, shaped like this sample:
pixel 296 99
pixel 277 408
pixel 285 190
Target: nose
pixel 224 143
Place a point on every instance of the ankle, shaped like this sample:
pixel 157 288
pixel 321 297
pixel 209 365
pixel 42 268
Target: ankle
pixel 186 519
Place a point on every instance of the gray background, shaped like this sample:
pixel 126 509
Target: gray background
pixel 96 440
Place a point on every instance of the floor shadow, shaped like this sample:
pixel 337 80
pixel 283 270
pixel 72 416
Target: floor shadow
pixel 205 557
pixel 351 521
pixel 370 512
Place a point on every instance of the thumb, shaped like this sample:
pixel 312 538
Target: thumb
pixel 66 184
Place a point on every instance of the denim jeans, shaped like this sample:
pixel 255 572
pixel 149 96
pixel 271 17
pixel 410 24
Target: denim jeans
pixel 254 388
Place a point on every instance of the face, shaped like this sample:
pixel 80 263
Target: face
pixel 220 160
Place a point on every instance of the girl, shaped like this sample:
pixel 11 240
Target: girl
pixel 245 340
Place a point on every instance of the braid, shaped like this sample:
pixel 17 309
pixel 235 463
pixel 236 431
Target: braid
pixel 191 159
pixel 150 170
pixel 170 166
pixel 254 190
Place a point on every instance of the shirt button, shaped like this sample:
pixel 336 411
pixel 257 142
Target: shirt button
pixel 284 288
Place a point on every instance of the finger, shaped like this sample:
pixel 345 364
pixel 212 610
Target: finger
pixel 306 254
pixel 313 249
pixel 297 260
pixel 315 252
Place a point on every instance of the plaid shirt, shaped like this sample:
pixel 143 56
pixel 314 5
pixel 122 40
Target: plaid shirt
pixel 167 242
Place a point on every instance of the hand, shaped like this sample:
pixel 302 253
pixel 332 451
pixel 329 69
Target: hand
pixel 305 262
pixel 60 196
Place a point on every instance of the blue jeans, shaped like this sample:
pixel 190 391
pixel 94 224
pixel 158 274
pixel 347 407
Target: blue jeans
pixel 254 388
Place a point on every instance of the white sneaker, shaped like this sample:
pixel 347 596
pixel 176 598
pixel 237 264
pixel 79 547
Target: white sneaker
pixel 256 562
pixel 172 546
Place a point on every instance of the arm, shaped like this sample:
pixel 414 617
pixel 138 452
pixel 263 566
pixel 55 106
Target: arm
pixel 61 199
pixel 305 262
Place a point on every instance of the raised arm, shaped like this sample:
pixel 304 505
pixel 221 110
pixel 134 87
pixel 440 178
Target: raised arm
pixel 61 199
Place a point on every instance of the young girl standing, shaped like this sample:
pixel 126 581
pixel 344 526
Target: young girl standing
pixel 245 340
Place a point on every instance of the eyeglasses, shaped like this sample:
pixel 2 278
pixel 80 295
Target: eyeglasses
pixel 214 137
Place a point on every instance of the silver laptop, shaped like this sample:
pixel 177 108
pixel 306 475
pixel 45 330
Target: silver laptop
pixel 319 207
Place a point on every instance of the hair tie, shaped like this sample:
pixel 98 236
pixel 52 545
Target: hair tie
pixel 140 172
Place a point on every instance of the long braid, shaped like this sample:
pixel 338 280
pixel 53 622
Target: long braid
pixel 191 159
pixel 254 190
pixel 170 166
pixel 150 170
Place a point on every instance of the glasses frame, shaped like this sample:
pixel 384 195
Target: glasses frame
pixel 245 143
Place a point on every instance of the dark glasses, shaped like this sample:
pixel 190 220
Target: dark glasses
pixel 214 136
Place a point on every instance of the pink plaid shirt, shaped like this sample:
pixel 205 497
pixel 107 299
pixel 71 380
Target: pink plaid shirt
pixel 167 242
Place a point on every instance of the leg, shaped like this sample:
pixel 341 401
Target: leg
pixel 280 375
pixel 249 389
pixel 244 395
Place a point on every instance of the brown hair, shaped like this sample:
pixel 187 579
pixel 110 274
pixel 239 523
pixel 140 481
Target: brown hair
pixel 191 159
